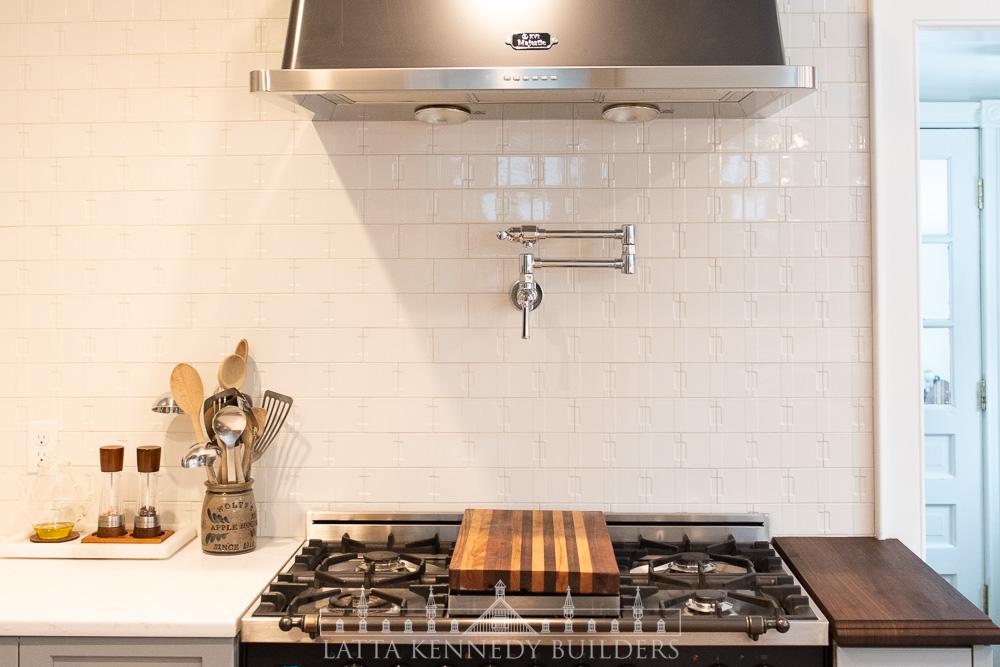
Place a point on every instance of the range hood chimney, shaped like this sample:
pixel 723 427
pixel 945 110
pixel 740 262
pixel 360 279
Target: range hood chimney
pixel 450 60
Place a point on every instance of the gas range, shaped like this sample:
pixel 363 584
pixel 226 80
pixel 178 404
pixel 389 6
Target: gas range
pixel 694 590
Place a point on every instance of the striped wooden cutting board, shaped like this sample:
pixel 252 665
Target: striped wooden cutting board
pixel 534 551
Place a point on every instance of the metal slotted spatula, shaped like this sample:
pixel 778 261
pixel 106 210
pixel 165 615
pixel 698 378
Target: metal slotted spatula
pixel 277 407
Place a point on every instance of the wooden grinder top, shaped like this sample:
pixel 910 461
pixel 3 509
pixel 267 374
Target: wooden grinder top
pixel 112 458
pixel 147 458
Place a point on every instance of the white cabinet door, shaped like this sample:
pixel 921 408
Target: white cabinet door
pixel 126 652
pixel 8 651
pixel 903 657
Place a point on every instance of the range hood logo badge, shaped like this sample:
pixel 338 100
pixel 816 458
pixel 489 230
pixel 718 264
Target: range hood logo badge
pixel 532 41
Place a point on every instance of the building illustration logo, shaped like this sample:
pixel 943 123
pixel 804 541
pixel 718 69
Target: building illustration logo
pixel 500 617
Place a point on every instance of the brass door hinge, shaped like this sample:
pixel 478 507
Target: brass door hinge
pixel 982 395
pixel 981 190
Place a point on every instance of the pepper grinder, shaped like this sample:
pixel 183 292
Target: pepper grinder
pixel 111 518
pixel 147 519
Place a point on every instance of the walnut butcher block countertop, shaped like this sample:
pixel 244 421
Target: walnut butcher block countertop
pixel 879 593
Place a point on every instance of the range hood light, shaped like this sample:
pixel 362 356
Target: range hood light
pixel 631 113
pixel 442 115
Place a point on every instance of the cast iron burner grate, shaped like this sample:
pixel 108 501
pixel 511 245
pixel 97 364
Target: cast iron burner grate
pixel 364 571
pixel 398 576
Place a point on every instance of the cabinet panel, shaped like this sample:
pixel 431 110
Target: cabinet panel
pixel 117 652
pixel 8 651
pixel 903 657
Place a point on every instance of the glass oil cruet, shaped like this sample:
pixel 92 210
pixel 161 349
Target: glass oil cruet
pixel 110 516
pixel 55 503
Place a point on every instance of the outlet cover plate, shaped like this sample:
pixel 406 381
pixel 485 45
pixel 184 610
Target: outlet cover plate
pixel 42 442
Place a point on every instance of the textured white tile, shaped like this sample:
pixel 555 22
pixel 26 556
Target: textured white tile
pixel 142 185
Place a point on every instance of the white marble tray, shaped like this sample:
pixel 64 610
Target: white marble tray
pixel 76 549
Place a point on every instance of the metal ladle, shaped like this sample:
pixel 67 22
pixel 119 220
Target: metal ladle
pixel 229 423
pixel 203 455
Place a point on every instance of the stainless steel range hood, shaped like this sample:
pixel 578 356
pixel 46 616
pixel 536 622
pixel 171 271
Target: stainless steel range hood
pixel 385 59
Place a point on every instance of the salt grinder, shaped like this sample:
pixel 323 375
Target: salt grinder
pixel 111 519
pixel 147 519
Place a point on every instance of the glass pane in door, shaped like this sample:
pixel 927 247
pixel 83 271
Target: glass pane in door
pixel 934 207
pixel 937 366
pixel 935 281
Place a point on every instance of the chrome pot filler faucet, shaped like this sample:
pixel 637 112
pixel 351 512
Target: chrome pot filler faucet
pixel 526 293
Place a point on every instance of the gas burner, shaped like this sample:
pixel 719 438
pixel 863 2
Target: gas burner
pixel 381 568
pixel 671 569
pixel 691 562
pixel 382 562
pixel 351 600
pixel 710 602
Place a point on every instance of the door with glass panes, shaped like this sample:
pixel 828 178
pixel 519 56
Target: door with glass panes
pixel 951 345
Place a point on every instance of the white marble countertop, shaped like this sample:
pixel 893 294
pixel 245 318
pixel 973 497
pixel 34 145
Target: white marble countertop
pixel 188 595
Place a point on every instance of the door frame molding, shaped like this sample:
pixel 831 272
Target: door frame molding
pixel 899 461
pixel 989 153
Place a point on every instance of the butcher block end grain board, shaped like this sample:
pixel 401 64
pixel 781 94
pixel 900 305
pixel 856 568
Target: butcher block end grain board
pixel 534 551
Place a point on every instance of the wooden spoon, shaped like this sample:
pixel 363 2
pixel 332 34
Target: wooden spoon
pixel 260 416
pixel 242 349
pixel 210 410
pixel 189 394
pixel 232 371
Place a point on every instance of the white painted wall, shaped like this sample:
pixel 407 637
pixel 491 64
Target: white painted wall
pixel 144 193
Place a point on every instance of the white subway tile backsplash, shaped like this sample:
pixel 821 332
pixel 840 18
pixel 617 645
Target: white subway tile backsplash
pixel 142 185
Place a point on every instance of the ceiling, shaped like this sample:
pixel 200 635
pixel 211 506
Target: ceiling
pixel 959 65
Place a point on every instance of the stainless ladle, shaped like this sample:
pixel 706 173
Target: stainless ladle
pixel 229 424
pixel 203 455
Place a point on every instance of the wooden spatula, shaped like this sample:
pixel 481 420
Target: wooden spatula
pixel 260 417
pixel 189 393
pixel 242 349
pixel 249 439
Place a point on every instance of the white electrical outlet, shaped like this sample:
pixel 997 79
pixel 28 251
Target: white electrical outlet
pixel 42 441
